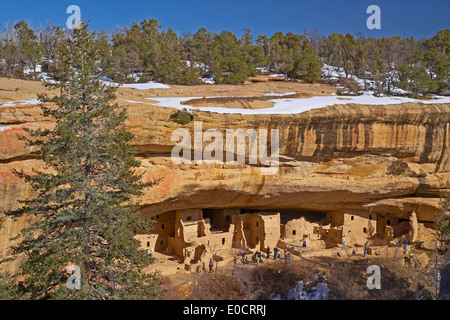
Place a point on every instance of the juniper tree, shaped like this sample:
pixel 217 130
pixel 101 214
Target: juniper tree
pixel 307 66
pixel 416 79
pixel 85 210
pixel 30 50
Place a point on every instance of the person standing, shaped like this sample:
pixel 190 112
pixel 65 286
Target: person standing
pixel 288 256
pixel 365 251
pixel 211 265
pixel 268 252
pixel 343 242
pixel 243 258
pixel 405 245
pixel 275 253
pixel 304 242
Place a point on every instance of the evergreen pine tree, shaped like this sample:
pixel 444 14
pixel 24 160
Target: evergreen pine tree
pixel 229 64
pixel 307 65
pixel 202 43
pixel 85 213
pixel 9 290
pixel 416 79
pixel 30 50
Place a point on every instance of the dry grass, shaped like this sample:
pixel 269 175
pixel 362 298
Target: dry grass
pixel 346 279
pixel 248 283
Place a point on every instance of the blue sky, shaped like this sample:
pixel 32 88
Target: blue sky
pixel 418 18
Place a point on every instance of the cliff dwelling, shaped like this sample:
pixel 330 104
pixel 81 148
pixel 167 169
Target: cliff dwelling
pixel 194 236
pixel 374 175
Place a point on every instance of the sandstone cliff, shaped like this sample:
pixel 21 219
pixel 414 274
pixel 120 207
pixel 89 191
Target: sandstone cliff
pixel 390 160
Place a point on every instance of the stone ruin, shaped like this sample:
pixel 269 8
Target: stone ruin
pixel 194 236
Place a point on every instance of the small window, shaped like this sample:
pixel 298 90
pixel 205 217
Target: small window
pixel 353 218
pixel 162 226
pixel 257 224
pixel 188 218
pixel 294 232
pixel 227 218
pixel 223 240
pixel 161 242
pixel 388 222
pixel 370 217
pixel 148 243
pixel 157 216
pixel 364 230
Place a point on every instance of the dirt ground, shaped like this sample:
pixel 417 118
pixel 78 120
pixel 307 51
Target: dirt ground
pixel 15 90
pixel 346 274
pixel 346 277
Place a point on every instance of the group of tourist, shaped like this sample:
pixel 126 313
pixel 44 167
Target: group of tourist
pixel 276 255
pixel 288 256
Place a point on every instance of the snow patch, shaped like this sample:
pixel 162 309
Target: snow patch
pixel 132 101
pixel 299 105
pixel 4 128
pixel 21 102
pixel 137 86
pixel 146 86
pixel 319 292
pixel 262 69
pixel 28 70
pixel 281 94
pixel 208 80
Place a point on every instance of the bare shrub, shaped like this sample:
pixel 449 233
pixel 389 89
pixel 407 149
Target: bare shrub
pixel 246 283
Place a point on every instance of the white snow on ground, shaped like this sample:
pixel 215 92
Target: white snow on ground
pixel 105 79
pixel 335 74
pixel 4 128
pixel 21 102
pixel 299 105
pixel 28 70
pixel 40 75
pixel 209 80
pixel 262 69
pixel 136 86
pixel 281 94
pixel 132 101
pixel 319 292
pixel 332 72
pixel 145 86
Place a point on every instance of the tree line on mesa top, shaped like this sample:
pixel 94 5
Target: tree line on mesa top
pixel 144 52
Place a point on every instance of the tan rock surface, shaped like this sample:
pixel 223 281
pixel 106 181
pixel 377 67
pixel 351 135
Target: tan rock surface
pixel 390 160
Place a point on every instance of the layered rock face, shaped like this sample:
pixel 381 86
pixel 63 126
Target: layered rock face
pixel 387 160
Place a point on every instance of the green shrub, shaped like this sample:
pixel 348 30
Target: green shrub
pixel 182 116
